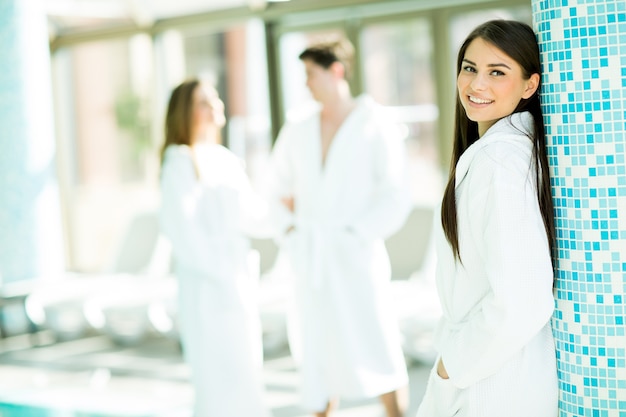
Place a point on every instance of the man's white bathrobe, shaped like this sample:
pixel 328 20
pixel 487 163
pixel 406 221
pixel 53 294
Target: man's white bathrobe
pixel 205 221
pixel 343 330
pixel 495 336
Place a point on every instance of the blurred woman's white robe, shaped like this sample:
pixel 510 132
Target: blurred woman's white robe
pixel 218 318
pixel 343 330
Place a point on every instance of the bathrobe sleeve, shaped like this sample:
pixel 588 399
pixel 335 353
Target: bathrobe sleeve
pixel 279 180
pixel 255 220
pixel 390 202
pixel 507 236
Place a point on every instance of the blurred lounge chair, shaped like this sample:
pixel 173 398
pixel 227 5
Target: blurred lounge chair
pixel 112 302
pixel 413 288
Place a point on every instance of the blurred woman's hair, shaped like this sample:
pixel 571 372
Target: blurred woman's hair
pixel 178 119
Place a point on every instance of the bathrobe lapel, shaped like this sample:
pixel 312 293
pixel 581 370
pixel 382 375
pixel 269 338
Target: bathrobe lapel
pixel 339 156
pixel 521 121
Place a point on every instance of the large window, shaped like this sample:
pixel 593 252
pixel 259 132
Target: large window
pixel 111 99
pixel 111 95
pixel 106 152
pixel 462 23
pixel 397 64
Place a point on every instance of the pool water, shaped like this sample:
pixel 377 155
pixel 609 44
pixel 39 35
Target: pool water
pixel 19 410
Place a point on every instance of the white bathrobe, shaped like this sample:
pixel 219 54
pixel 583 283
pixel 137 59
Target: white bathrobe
pixel 220 329
pixel 343 331
pixel 495 336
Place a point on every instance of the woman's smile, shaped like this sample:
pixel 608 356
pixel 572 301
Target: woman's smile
pixel 478 100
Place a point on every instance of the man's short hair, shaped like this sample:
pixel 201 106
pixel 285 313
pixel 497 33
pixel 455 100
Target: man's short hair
pixel 327 53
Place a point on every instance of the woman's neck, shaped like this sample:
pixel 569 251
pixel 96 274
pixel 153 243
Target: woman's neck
pixel 209 138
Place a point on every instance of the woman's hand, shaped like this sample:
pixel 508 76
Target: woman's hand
pixel 289 203
pixel 441 370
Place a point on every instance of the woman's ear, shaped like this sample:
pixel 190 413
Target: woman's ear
pixel 531 86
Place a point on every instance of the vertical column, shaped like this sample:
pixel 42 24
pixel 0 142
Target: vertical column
pixel 583 44
pixel 31 243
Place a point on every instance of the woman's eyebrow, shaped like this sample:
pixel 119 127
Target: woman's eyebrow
pixel 499 65
pixel 489 65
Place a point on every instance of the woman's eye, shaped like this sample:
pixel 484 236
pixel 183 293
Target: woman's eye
pixel 497 73
pixel 469 68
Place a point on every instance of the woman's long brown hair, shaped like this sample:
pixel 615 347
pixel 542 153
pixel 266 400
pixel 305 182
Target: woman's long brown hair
pixel 179 115
pixel 518 41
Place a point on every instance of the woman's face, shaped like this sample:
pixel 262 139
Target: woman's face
pixel 207 110
pixel 491 84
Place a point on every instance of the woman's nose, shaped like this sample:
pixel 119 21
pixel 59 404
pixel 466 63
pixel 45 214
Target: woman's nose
pixel 479 82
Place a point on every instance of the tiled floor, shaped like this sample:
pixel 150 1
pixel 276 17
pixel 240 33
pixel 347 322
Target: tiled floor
pixel 93 377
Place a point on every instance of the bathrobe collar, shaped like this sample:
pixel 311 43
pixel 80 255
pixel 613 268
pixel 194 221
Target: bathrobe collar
pixel 517 124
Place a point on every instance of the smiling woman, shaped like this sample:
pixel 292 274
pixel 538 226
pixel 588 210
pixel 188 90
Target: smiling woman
pixel 494 272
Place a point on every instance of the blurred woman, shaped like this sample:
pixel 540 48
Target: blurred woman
pixel 207 209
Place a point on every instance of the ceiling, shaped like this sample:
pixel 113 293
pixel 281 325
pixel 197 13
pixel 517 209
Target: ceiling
pixel 71 21
pixel 67 16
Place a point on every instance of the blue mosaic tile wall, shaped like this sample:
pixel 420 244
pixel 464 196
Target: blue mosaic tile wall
pixel 583 44
pixel 31 243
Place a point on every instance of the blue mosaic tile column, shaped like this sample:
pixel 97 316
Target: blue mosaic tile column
pixel 31 241
pixel 583 44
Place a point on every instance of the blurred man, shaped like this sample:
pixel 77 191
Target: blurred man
pixel 339 175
